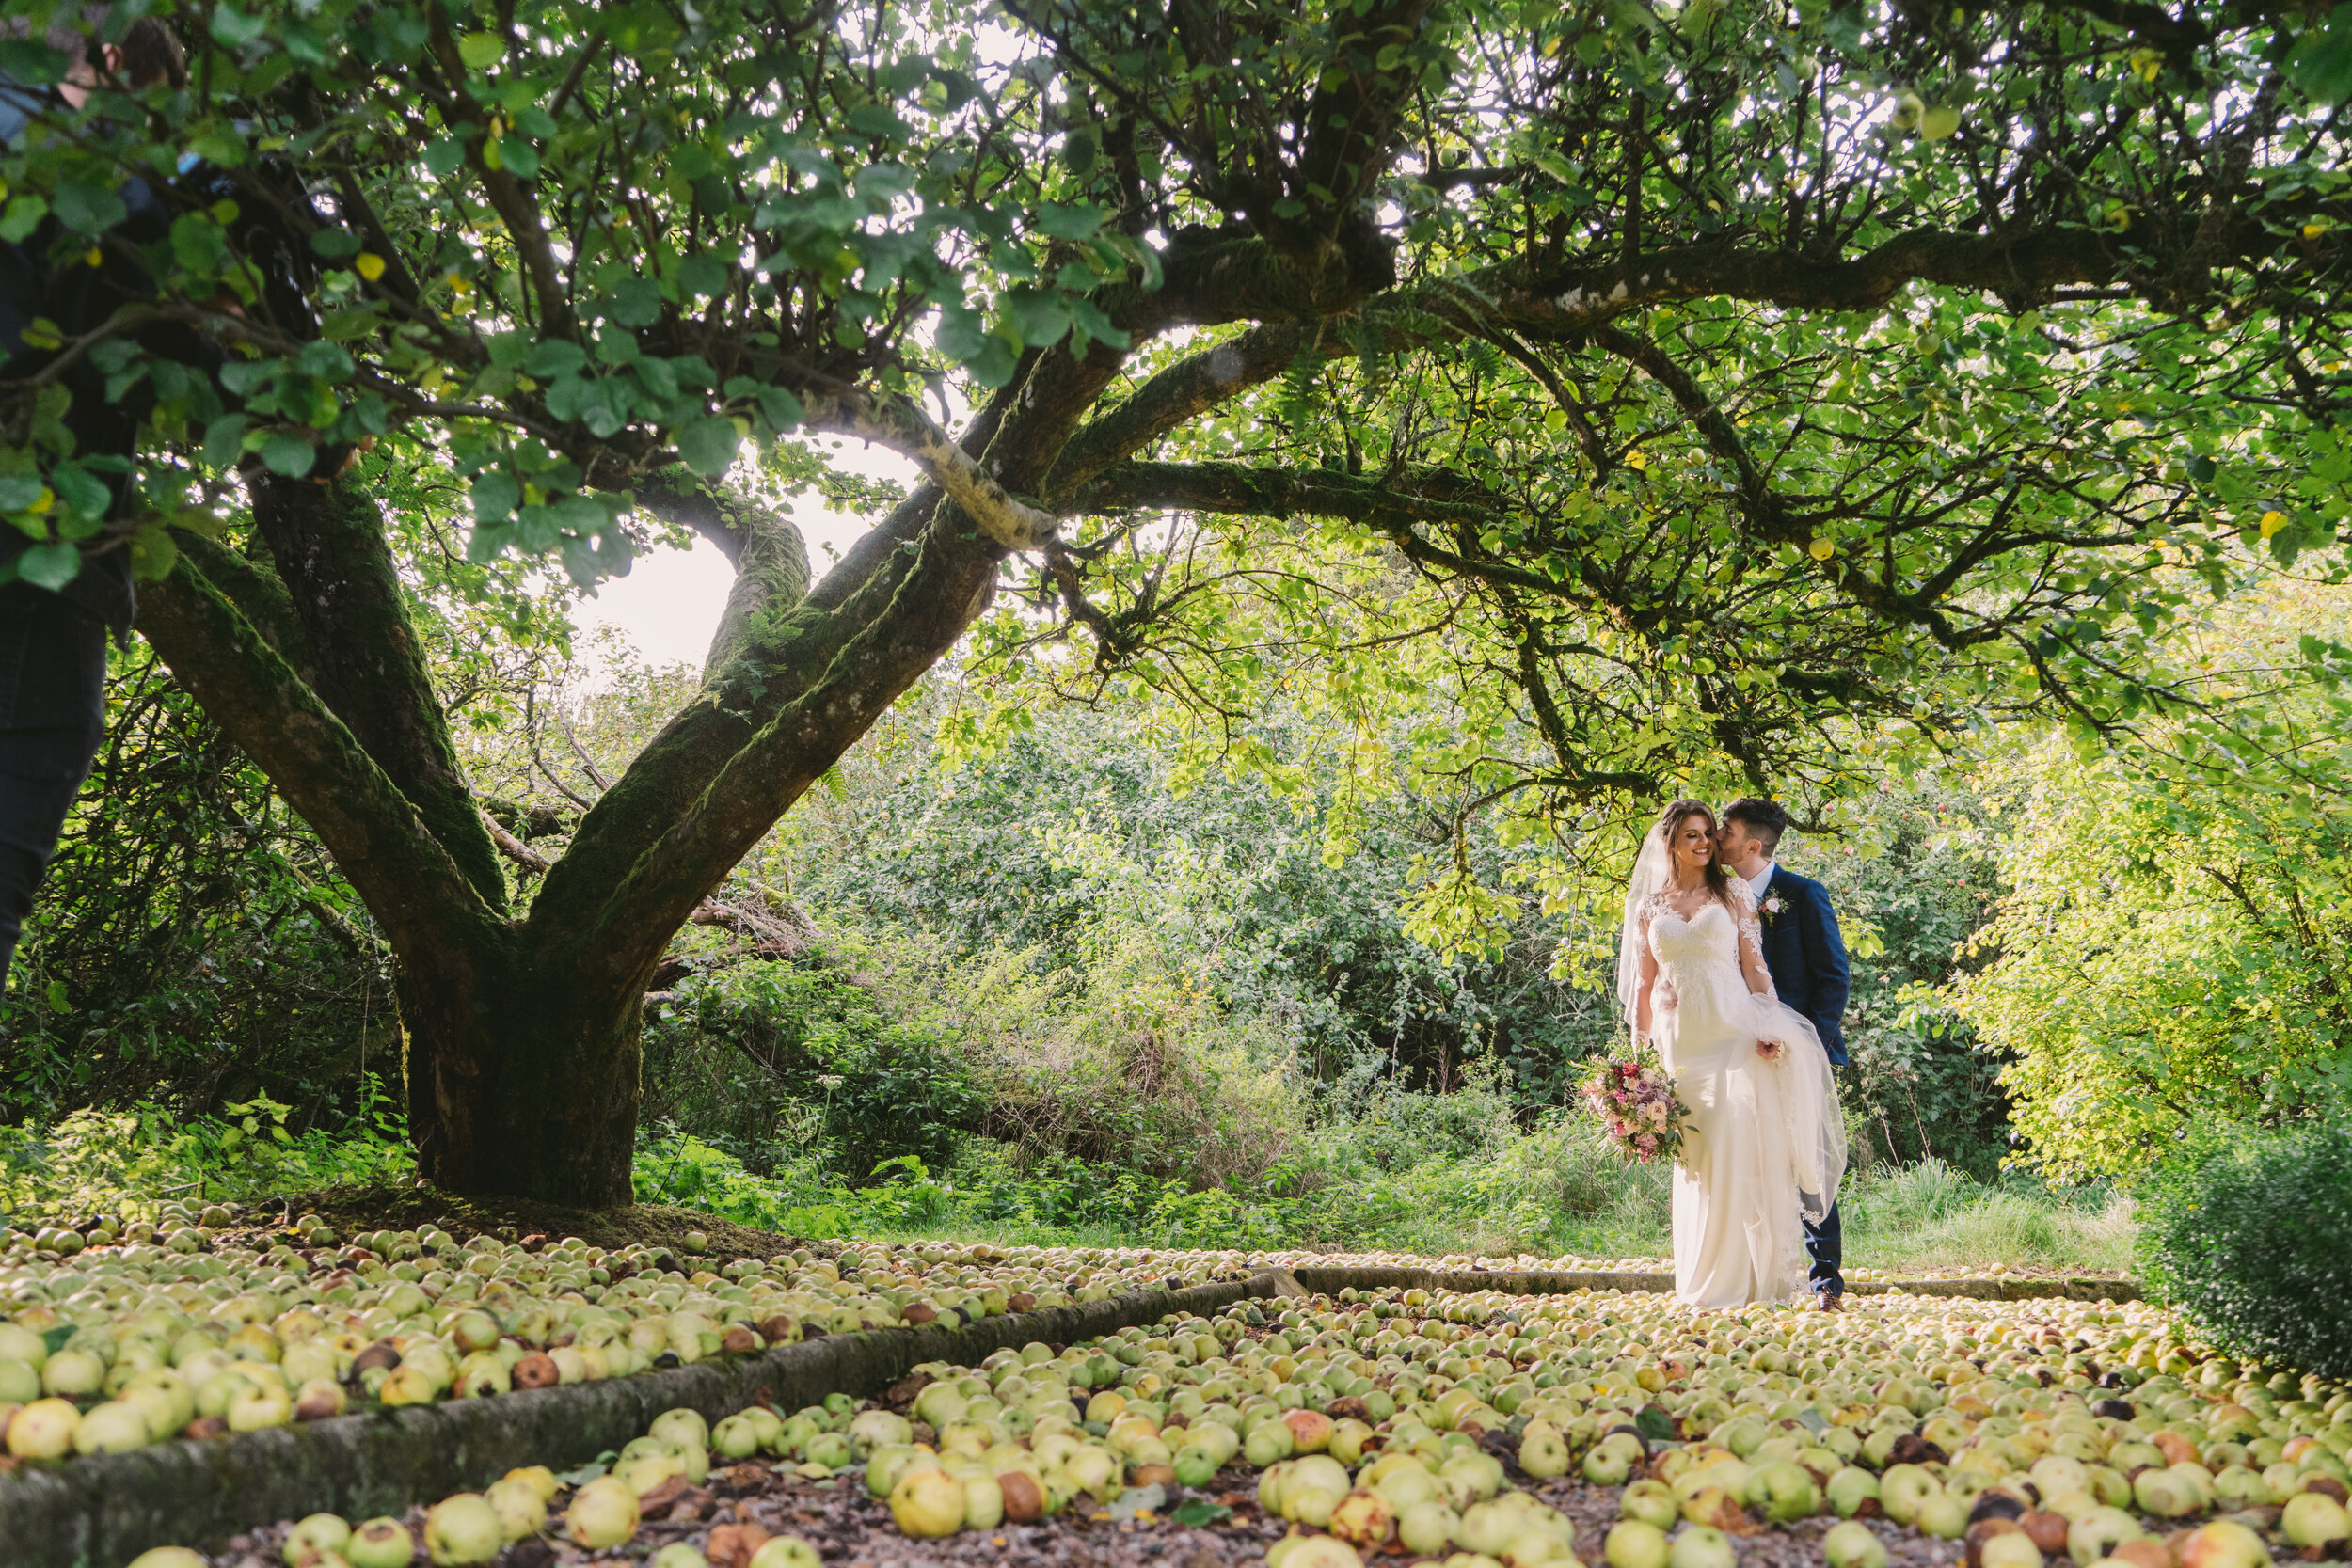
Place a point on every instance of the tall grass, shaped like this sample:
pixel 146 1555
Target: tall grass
pixel 1929 1215
pixel 1477 1188
pixel 1415 1175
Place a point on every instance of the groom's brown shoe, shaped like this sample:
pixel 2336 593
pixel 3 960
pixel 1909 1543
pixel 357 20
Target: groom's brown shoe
pixel 1828 1301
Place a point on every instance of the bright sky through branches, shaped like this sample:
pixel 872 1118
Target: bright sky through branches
pixel 668 604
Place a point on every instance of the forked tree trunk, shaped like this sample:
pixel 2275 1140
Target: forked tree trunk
pixel 521 1030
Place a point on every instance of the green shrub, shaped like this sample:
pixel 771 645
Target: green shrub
pixel 131 1161
pixel 803 1049
pixel 2249 1236
pixel 2205 965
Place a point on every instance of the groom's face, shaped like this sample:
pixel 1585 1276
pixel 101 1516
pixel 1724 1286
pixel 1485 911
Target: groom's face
pixel 1738 843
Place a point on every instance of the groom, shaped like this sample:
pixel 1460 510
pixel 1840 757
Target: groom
pixel 1807 959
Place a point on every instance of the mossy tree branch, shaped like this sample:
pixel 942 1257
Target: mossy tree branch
pixel 378 837
pixel 330 544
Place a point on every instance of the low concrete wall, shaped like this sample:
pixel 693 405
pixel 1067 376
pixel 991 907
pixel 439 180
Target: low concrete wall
pixel 1330 1281
pixel 102 1511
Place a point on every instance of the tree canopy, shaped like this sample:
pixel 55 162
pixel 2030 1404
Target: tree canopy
pixel 1736 395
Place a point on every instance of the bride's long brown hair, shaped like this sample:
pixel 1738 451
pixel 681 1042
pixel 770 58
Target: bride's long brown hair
pixel 1670 828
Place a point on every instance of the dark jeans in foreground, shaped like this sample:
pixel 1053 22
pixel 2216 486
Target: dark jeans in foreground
pixel 1826 1241
pixel 53 683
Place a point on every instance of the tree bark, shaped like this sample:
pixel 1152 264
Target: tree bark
pixel 365 662
pixel 522 1081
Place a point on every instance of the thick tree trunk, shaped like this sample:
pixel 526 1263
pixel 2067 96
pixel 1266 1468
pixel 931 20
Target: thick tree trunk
pixel 522 1075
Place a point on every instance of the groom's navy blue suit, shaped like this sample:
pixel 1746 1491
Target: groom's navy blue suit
pixel 1807 959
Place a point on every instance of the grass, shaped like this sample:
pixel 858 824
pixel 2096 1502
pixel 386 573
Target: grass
pixel 1990 1227
pixel 1493 1190
pixel 1545 1196
pixel 1931 1216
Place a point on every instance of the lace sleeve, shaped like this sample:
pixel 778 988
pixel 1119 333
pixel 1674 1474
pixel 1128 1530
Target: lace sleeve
pixel 1643 913
pixel 1751 923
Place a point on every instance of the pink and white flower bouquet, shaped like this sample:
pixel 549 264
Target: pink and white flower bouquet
pixel 1635 1106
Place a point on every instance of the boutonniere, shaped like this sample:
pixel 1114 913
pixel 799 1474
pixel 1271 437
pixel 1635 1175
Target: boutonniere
pixel 1772 903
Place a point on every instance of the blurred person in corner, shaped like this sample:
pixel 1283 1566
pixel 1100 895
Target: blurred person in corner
pixel 55 620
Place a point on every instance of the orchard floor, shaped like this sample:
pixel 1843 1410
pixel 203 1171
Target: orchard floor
pixel 352 1210
pixel 746 1503
pixel 1884 1253
pixel 1891 1359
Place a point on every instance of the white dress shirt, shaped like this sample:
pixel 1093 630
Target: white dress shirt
pixel 1757 882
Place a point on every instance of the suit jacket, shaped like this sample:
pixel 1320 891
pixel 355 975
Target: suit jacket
pixel 1806 955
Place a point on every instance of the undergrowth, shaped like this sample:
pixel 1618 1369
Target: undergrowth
pixel 131 1162
pixel 1410 1178
pixel 1544 1193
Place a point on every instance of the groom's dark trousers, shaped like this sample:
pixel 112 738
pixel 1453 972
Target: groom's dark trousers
pixel 1807 958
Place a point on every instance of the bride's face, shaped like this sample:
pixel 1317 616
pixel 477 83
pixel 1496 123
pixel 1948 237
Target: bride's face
pixel 1694 844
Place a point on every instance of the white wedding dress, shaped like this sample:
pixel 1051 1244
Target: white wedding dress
pixel 1764 1147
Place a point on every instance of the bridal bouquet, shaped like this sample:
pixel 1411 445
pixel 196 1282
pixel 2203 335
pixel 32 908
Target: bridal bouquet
pixel 1634 1101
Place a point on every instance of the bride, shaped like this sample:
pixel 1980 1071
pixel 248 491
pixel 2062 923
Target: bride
pixel 1765 1143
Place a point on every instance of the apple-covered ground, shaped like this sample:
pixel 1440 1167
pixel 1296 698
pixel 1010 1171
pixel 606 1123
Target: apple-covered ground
pixel 1472 1428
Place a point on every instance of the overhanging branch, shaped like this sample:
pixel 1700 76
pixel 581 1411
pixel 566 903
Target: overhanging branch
pixel 896 423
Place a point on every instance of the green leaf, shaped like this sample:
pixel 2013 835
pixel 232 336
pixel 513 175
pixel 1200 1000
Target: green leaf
pixel 876 119
pixel 87 208
pixel 1069 223
pixel 1036 318
pixel 153 553
pixel 1094 323
pixel 495 495
pixel 224 441
pixel 444 156
pixel 23 215
pixel 637 301
pixel 2321 61
pixel 1195 1513
pixel 481 51
pixel 704 275
pixel 80 489
pixel 344 326
pixel 287 454
pixel 222 145
pixel 708 445
pixel 333 244
pixel 50 565
pixel 993 365
pixel 554 358
pixel 783 409
pixel 325 361
pixel 233 29
pixel 880 181
pixel 520 158
pixel 199 244
pixel 31 61
pixel 962 334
